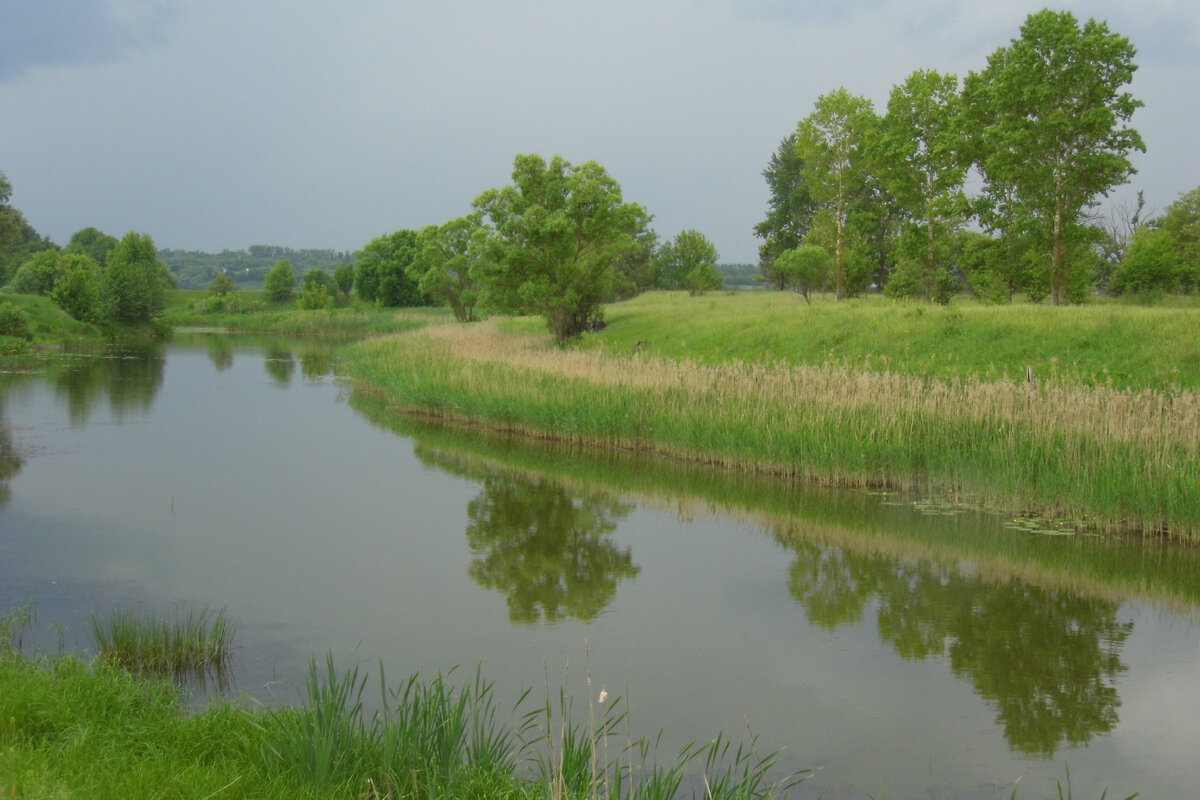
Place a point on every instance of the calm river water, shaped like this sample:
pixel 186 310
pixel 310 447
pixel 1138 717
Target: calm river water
pixel 906 648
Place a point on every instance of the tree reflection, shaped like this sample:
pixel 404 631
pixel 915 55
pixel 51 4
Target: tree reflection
pixel 130 378
pixel 1046 659
pixel 546 548
pixel 220 351
pixel 280 363
pixel 10 462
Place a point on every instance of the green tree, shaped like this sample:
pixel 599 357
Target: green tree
pixel 790 208
pixel 135 280
pixel 96 244
pixel 38 274
pixel 689 257
pixel 382 271
pixel 637 268
pixel 343 276
pixel 835 143
pixel 922 167
pixel 280 282
pixel 445 264
pixel 79 288
pixel 1152 265
pixel 18 240
pixel 1047 121
pixel 559 231
pixel 805 268
pixel 1181 222
pixel 317 290
pixel 222 284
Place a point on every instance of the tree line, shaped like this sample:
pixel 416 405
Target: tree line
pixel 860 200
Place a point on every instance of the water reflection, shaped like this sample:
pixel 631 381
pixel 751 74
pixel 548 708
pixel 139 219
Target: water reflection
pixel 128 378
pixel 543 545
pixel 279 363
pixel 10 462
pixel 1046 659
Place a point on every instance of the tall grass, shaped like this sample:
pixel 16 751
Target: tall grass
pixel 194 644
pixel 1097 455
pixel 76 728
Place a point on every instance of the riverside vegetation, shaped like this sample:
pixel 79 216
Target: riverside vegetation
pixel 1093 421
pixel 73 727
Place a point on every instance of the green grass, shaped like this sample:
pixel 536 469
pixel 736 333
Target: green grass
pixel 72 728
pixel 192 645
pixel 1131 346
pixel 48 324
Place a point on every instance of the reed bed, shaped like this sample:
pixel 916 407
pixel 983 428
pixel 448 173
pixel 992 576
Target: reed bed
pixel 1101 456
pixel 194 644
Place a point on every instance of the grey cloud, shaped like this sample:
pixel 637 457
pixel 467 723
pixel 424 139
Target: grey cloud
pixel 38 33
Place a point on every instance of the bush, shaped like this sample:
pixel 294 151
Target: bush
pixel 280 282
pixel 79 290
pixel 14 322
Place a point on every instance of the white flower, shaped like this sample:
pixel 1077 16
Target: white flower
pixel 603 696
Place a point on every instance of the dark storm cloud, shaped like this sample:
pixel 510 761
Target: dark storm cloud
pixel 40 33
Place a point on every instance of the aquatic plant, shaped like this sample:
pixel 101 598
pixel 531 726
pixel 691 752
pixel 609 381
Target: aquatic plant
pixel 195 643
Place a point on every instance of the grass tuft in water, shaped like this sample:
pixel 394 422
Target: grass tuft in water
pixel 194 644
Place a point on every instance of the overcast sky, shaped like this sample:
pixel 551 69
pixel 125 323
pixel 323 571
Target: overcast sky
pixel 214 124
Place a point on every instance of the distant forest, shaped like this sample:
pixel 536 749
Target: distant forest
pixel 248 268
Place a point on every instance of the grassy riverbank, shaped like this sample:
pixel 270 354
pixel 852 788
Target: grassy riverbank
pixel 76 728
pixel 251 312
pixel 1108 446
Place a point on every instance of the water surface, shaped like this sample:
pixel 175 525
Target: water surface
pixel 906 649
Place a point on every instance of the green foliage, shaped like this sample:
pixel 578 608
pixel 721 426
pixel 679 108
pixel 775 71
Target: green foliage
pixel 135 280
pixel 315 296
pixel 835 141
pixel 343 276
pixel 280 282
pixel 18 240
pixel 688 262
pixel 790 208
pixel 222 284
pixel 446 264
pixel 381 272
pixel 79 288
pixel 1181 221
pixel 921 167
pixel 559 231
pixel 1041 178
pixel 805 268
pixel 93 243
pixel 1151 265
pixel 14 322
pixel 37 275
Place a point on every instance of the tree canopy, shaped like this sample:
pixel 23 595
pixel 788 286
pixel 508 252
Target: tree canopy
pixel 558 231
pixel 1047 122
pixel 135 280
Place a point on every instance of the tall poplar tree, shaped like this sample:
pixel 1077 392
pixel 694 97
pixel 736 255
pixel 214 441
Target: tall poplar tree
pixel 923 169
pixel 835 141
pixel 1048 121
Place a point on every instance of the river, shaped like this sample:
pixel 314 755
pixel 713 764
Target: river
pixel 903 646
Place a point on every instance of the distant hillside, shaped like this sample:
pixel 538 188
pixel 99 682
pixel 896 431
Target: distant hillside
pixel 195 270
